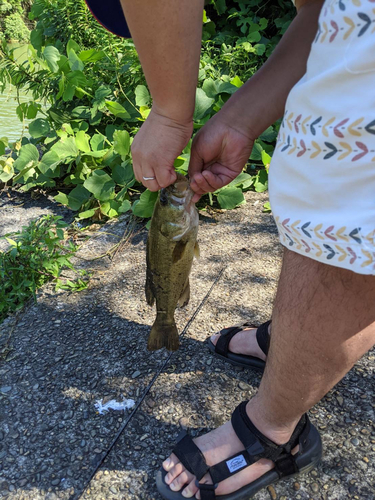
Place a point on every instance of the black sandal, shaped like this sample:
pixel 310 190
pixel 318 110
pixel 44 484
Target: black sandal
pixel 221 349
pixel 256 446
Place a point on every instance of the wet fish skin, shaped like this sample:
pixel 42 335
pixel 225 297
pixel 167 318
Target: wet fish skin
pixel 171 243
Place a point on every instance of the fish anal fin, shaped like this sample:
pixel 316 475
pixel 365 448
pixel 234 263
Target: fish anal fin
pixel 185 295
pixel 197 252
pixel 163 335
pixel 178 251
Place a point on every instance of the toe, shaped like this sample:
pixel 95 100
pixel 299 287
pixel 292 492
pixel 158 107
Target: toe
pixel 190 490
pixel 170 462
pixel 215 338
pixel 180 481
pixel 174 472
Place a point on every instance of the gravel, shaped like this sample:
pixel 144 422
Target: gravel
pixel 70 350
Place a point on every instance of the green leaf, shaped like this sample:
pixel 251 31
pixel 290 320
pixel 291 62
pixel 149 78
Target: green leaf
pixel 202 104
pixel 267 208
pixel 66 148
pixel 32 111
pixel 87 214
pixel 227 88
pixel 142 96
pixel 121 142
pixel 97 142
pixel 51 56
pixel 124 207
pixel 77 197
pixel 100 184
pixel 116 109
pixel 82 141
pixel 69 92
pixel 237 81
pixel 39 128
pixel 72 45
pixel 220 6
pixel 256 153
pixel 36 38
pixel 260 49
pixel 245 180
pixel 261 181
pixel 75 62
pixel 27 154
pixel 82 112
pixel 211 87
pixel 230 197
pixel 123 174
pixel 266 158
pixel 145 205
pixel 49 162
pixel 62 198
pixel 110 208
pixel 269 135
pixel 91 55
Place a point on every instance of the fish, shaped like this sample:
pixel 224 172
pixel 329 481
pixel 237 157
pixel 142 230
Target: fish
pixel 171 246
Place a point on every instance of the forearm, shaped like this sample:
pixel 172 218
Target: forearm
pixel 261 101
pixel 167 35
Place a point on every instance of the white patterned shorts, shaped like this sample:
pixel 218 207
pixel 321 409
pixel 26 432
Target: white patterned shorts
pixel 322 174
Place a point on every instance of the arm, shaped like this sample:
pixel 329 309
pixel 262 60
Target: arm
pixel 167 35
pixel 254 107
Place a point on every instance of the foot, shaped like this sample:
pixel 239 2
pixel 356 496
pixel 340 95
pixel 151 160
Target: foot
pixel 244 342
pixel 216 446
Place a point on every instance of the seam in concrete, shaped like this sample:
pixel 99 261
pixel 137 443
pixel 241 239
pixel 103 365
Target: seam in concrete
pixel 148 388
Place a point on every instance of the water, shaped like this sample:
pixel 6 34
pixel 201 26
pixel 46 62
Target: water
pixel 10 125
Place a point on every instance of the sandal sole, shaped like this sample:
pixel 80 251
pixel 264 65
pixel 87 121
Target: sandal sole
pixel 307 460
pixel 239 359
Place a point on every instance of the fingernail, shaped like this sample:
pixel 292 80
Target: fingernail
pixel 167 463
pixel 185 494
pixel 172 486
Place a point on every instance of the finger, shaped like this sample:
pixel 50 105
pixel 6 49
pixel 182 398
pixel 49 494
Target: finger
pixel 214 180
pixel 196 198
pixel 148 179
pixel 165 176
pixel 196 162
pixel 190 490
pixel 181 480
pixel 202 186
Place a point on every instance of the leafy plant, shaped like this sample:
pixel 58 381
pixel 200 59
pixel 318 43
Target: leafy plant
pixel 36 255
pixel 97 99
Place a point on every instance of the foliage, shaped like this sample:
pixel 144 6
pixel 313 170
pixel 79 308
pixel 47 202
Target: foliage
pixel 37 254
pixel 12 19
pixel 97 99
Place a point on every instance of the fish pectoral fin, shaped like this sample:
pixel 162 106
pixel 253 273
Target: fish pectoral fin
pixel 185 295
pixel 150 298
pixel 178 251
pixel 197 252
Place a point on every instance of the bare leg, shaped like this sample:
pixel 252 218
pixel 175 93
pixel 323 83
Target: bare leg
pixel 323 322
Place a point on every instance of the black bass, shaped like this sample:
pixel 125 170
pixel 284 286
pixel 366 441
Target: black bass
pixel 171 245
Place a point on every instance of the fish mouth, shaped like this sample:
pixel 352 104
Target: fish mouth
pixel 179 193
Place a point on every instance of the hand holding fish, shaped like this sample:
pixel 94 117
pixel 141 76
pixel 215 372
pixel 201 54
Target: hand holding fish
pixel 219 152
pixel 156 146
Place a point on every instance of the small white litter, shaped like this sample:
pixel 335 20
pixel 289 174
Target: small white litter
pixel 125 404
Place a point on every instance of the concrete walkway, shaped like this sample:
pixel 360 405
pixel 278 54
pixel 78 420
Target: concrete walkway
pixel 70 350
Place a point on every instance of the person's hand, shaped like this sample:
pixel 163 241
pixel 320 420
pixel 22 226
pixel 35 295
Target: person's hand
pixel 155 147
pixel 218 154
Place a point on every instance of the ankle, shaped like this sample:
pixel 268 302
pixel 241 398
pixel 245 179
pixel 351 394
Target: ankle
pixel 276 429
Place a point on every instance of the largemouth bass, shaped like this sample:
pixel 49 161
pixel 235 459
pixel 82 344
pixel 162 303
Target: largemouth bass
pixel 171 244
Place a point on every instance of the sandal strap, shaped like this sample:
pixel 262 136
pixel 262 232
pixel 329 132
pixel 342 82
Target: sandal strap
pixel 190 456
pixel 263 337
pixel 259 446
pixel 226 335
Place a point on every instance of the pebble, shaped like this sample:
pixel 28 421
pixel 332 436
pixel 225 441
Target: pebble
pixel 340 400
pixel 272 492
pixel 136 374
pixel 242 385
pixel 296 486
pixel 354 441
pixel 5 388
pixel 315 487
pixel 55 482
pixel 113 490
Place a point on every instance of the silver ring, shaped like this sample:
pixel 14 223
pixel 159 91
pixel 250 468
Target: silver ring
pixel 148 178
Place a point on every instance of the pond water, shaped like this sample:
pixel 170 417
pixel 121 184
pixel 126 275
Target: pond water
pixel 10 125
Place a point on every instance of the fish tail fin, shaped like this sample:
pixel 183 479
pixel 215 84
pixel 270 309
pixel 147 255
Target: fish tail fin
pixel 163 335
